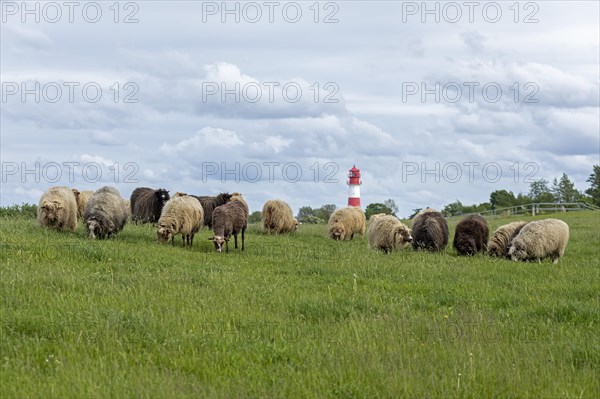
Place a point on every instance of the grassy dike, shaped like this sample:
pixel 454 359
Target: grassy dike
pixel 293 316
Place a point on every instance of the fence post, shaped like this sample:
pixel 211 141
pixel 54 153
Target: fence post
pixel 533 209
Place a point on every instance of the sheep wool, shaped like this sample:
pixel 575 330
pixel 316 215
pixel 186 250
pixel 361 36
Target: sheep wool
pixel 82 198
pixel 387 233
pixel 429 231
pixel 58 209
pixel 229 220
pixel 345 222
pixel 277 217
pixel 471 235
pixel 499 243
pixel 181 215
pixel 105 214
pixel 147 204
pixel 546 238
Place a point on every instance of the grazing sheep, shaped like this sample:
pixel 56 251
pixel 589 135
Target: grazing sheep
pixel 540 239
pixel 105 214
pixel 147 204
pixel 82 198
pixel 229 220
pixel 345 222
pixel 58 209
pixel 277 217
pixel 180 215
pixel 387 233
pixel 429 231
pixel 499 244
pixel 471 235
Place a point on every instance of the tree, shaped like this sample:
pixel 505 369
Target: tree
pixel 255 217
pixel 325 211
pixel 502 198
pixel 539 191
pixel 305 212
pixel 390 203
pixel 415 211
pixel 594 190
pixel 453 209
pixel 564 190
pixel 373 209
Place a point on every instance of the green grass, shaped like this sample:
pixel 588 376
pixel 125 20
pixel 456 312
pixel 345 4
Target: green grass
pixel 293 316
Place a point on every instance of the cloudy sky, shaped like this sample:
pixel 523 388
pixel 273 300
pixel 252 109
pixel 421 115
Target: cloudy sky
pixel 280 99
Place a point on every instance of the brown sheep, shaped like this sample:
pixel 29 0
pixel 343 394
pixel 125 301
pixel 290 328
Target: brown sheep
pixel 345 222
pixel 499 244
pixel 277 217
pixel 82 198
pixel 229 220
pixel 429 231
pixel 471 235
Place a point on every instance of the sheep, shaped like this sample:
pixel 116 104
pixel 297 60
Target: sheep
pixel 277 217
pixel 345 222
pixel 546 238
pixel 105 214
pixel 471 235
pixel 387 233
pixel 82 198
pixel 238 197
pixel 210 203
pixel 499 244
pixel 181 215
pixel 227 220
pixel 429 231
pixel 127 208
pixel 147 204
pixel 58 209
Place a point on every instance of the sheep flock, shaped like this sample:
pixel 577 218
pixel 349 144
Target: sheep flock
pixel 104 213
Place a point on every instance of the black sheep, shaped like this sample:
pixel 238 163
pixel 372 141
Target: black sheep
pixel 147 204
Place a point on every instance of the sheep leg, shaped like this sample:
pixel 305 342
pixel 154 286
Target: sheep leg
pixel 191 240
pixel 226 246
pixel 235 239
pixel 243 234
pixel 173 240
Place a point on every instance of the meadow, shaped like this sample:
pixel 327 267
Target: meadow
pixel 293 316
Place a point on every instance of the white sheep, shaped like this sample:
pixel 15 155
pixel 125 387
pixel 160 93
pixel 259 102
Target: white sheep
pixel 180 215
pixel 345 222
pixel 58 209
pixel 277 217
pixel 546 238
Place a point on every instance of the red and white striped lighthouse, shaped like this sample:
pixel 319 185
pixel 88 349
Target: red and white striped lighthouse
pixel 354 184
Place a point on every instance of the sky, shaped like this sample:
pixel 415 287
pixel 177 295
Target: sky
pixel 434 102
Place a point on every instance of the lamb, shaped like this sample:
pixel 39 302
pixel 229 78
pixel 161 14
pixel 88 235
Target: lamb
pixel 429 231
pixel 82 198
pixel 277 217
pixel 227 220
pixel 499 244
pixel 387 233
pixel 105 214
pixel 147 204
pixel 58 209
pixel 181 215
pixel 471 235
pixel 546 238
pixel 345 222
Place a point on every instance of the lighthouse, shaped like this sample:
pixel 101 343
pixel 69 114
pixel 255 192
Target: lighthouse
pixel 354 184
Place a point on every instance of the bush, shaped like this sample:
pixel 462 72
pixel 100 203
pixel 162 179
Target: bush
pixel 23 210
pixel 312 220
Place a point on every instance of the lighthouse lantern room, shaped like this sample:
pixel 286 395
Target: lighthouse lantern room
pixel 354 184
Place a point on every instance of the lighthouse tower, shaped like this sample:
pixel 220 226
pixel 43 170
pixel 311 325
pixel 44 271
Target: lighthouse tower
pixel 354 184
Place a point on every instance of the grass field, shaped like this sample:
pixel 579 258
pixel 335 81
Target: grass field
pixel 293 316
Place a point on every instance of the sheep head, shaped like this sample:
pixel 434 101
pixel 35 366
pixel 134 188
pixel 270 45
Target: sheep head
pixel 50 210
pixel 162 195
pixel 295 224
pixel 218 241
pixel 402 235
pixel 517 252
pixel 467 247
pixel 337 231
pixel 94 229
pixel 164 233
